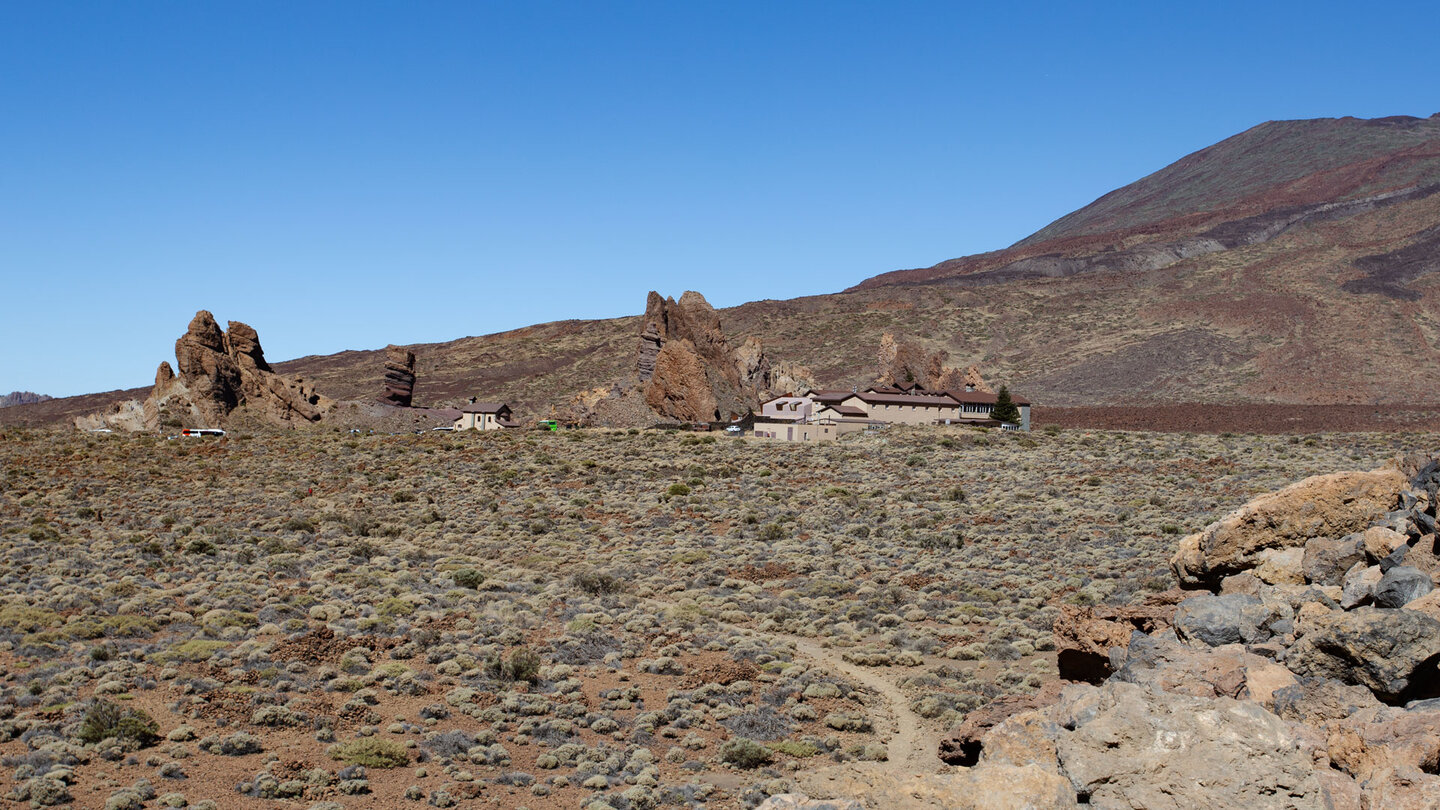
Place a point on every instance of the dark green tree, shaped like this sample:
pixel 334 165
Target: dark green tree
pixel 1005 409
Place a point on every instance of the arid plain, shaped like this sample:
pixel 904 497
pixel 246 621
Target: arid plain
pixel 544 620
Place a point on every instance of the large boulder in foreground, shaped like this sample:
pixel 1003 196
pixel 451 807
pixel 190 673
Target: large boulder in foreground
pixel 1328 506
pixel 1122 745
pixel 1085 636
pixel 1162 663
pixel 993 787
pixel 1393 653
pixel 962 746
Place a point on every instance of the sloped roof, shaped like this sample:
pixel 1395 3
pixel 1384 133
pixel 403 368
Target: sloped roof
pixel 484 407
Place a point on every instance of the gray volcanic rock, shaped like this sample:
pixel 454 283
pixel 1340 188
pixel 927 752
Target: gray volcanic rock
pixel 798 801
pixel 1359 585
pixel 1127 746
pixel 1393 653
pixel 1216 620
pixel 1402 585
pixel 1318 700
pixel 1327 560
pixel 1231 671
pixel 647 352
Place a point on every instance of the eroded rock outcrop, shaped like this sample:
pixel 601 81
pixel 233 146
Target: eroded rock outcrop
pixel 903 362
pixel 219 371
pixel 687 370
pixel 768 376
pixel 399 387
pixel 687 367
pixel 680 387
pixel 22 398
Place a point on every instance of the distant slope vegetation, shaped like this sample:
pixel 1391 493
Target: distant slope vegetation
pixel 1295 262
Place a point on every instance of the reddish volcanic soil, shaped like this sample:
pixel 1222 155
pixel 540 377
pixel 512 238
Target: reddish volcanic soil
pixel 1246 418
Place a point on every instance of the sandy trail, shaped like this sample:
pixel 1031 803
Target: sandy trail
pixel 899 729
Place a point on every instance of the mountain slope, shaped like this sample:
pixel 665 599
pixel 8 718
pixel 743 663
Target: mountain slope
pixel 1294 263
pixel 1275 155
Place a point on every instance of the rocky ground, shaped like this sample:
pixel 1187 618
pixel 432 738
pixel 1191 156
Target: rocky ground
pixel 619 619
pixel 1297 668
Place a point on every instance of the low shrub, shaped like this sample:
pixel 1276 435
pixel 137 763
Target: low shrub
pixel 744 753
pixel 522 665
pixel 596 583
pixel 468 578
pixel 372 752
pixel 105 719
pixel 795 748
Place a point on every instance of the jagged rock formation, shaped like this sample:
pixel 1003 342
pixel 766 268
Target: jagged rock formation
pixel 689 370
pixel 903 362
pixel 399 377
pixel 22 398
pixel 220 371
pixel 770 377
pixel 650 341
pixel 686 370
pixel 680 387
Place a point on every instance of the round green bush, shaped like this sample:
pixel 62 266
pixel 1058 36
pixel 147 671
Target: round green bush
pixel 744 753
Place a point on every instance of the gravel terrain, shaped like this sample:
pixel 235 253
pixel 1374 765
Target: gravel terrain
pixel 618 619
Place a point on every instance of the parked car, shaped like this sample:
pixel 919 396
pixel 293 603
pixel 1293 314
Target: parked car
pixel 735 430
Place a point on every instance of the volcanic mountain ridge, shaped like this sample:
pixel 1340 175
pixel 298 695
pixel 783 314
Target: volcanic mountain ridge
pixel 1292 263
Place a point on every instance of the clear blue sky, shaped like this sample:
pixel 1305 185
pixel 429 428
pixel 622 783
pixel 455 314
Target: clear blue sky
pixel 342 175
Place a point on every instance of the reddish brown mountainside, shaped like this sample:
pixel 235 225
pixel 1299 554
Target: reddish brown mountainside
pixel 1292 263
